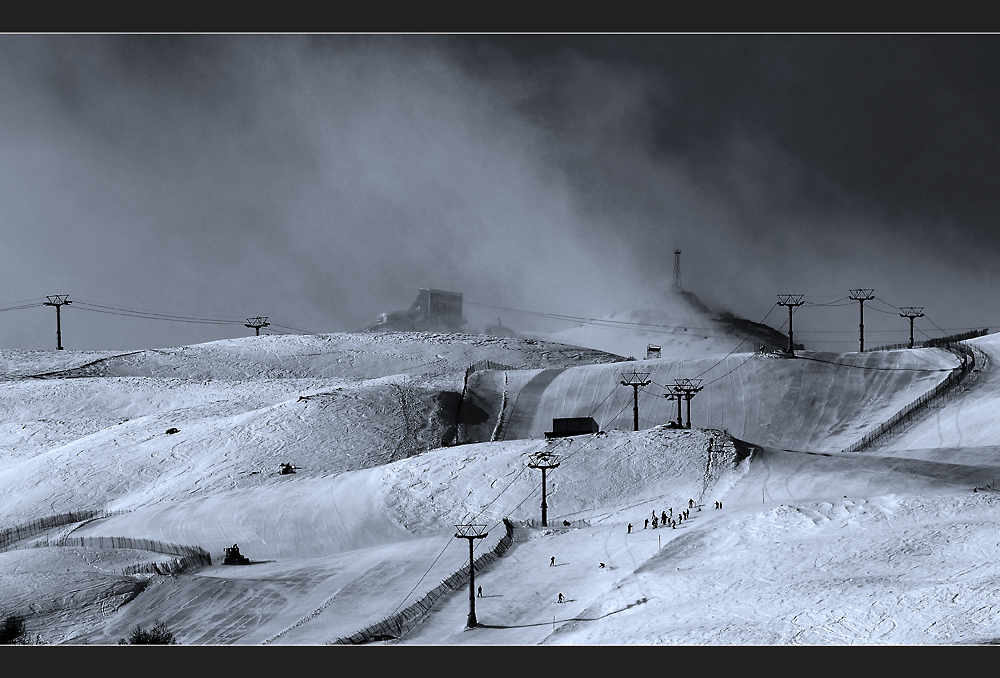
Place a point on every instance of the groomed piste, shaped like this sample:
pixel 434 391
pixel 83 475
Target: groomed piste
pixel 396 438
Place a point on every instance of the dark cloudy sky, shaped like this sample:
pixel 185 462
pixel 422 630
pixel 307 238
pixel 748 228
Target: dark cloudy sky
pixel 320 180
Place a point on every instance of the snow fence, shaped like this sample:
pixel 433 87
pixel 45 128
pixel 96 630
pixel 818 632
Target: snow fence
pixel 188 557
pixel 939 342
pixel 918 406
pixel 11 535
pixel 479 366
pixel 396 625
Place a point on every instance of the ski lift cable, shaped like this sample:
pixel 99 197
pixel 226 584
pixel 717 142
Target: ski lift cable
pixel 424 575
pixel 738 345
pixel 606 322
pixel 294 329
pixel 168 316
pixel 509 485
pixel 935 325
pixel 828 303
pixel 18 308
pixel 610 393
pixel 893 307
pixel 149 317
pixel 32 302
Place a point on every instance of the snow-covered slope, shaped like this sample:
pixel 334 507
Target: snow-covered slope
pixel 366 524
pixel 677 322
pixel 818 401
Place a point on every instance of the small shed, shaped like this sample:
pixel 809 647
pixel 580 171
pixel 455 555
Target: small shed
pixel 572 426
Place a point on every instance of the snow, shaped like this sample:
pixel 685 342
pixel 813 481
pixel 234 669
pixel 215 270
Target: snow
pixel 811 546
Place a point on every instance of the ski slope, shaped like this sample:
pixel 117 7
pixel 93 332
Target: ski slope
pixel 833 544
pixel 817 401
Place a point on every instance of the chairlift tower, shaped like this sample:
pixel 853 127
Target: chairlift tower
pixel 686 388
pixel 861 296
pixel 58 300
pixel 911 312
pixel 257 323
pixel 673 394
pixel 677 270
pixel 792 301
pixel 471 532
pixel 543 461
pixel 635 380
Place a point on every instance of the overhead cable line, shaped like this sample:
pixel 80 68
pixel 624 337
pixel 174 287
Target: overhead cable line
pixel 17 308
pixel 774 306
pixel 149 315
pixel 829 303
pixel 294 329
pixel 615 324
pixel 424 575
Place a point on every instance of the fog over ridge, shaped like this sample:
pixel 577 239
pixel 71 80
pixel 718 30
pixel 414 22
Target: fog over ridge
pixel 321 180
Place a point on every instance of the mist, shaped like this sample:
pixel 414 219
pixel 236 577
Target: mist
pixel 321 180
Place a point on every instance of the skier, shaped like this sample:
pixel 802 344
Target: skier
pixel 630 528
pixel 552 562
pixel 479 592
pixel 663 518
pixel 654 521
pixel 690 503
pixel 646 524
pixel 561 599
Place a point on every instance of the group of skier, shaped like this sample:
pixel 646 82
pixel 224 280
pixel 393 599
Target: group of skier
pixel 667 517
pixel 664 518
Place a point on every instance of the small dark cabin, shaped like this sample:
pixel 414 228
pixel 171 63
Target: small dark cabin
pixel 572 426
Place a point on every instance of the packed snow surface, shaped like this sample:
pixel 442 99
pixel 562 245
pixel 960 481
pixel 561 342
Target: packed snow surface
pixel 397 438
